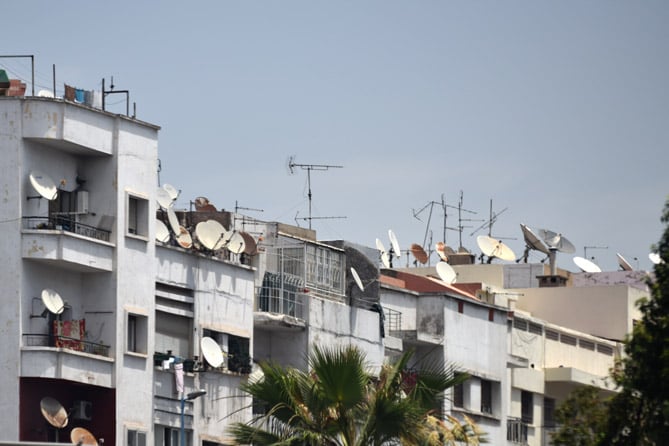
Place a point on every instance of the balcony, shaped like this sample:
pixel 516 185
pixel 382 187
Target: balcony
pixel 59 239
pixel 66 357
pixel 280 302
pixel 516 431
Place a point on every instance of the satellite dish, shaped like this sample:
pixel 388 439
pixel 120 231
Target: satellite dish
pixel 385 259
pixel 441 251
pixel 379 246
pixel 494 248
pixel 556 241
pixel 164 198
pixel 419 253
pixel 174 221
pixel 162 233
pixel 184 239
pixel 532 241
pixel 202 204
pixel 356 277
pixel 446 272
pixel 224 240
pixel 43 185
pixel 236 244
pixel 586 265
pixel 624 264
pixel 53 412
pixel 655 258
pixel 82 437
pixel 211 351
pixel 45 94
pixel 394 243
pixel 172 191
pixel 250 245
pixel 52 301
pixel 209 233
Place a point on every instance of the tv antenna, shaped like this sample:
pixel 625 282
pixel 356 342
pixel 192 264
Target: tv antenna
pixel 309 167
pixel 491 221
pixel 460 226
pixel 585 250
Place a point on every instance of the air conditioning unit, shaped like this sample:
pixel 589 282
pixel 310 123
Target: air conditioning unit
pixel 83 410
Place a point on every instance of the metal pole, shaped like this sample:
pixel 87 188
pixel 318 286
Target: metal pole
pixel 182 440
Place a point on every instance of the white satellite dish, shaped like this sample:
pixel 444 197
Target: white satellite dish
pixel 655 258
pixel 624 264
pixel 356 277
pixel 494 248
pixel 43 185
pixel 163 198
pixel 45 94
pixel 379 246
pixel 162 233
pixel 174 221
pixel 446 272
pixel 52 301
pixel 82 437
pixel 172 191
pixel 394 243
pixel 385 259
pixel 53 412
pixel 209 233
pixel 586 265
pixel 532 241
pixel 211 351
pixel 236 243
pixel 224 240
pixel 440 247
pixel 184 239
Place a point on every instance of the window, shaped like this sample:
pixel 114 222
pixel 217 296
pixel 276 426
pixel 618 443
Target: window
pixel 588 345
pixel 526 407
pixel 170 437
pixel 459 394
pixel 520 324
pixel 607 350
pixel 567 339
pixel 173 334
pixel 549 412
pixel 486 396
pixel 552 335
pixel 136 438
pixel 136 334
pixel 137 213
pixel 491 314
pixel 535 328
pixel 461 307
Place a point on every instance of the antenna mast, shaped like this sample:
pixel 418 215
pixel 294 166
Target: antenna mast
pixel 309 167
pixel 460 219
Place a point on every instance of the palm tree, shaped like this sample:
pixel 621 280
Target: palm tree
pixel 339 403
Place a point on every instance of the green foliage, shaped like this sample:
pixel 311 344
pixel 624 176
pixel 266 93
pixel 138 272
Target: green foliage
pixel 339 403
pixel 582 418
pixel 639 414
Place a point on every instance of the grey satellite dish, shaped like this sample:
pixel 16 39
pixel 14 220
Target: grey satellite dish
pixel 82 437
pixel 586 265
pixel 184 239
pixel 624 264
pixel 532 241
pixel 494 248
pixel 163 198
pixel 43 185
pixel 209 233
pixel 446 272
pixel 556 241
pixel 655 258
pixel 211 351
pixel 357 280
pixel 394 243
pixel 53 412
pixel 162 233
pixel 250 245
pixel 236 244
pixel 52 301
pixel 174 221
pixel 171 191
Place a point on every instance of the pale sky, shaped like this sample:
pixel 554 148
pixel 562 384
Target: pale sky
pixel 556 111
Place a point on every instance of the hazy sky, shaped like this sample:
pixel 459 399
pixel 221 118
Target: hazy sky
pixel 556 111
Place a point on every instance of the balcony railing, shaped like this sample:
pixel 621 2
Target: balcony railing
pixel 393 322
pixel 516 431
pixel 45 340
pixel 65 223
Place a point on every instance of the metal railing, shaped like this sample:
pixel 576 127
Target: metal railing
pixel 46 340
pixel 63 223
pixel 516 431
pixel 393 320
pixel 280 301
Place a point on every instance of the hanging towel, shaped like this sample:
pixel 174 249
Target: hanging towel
pixel 179 377
pixel 79 95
